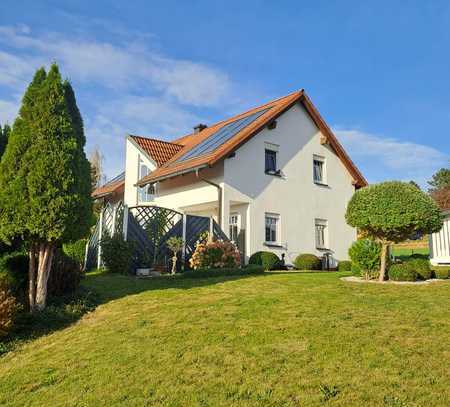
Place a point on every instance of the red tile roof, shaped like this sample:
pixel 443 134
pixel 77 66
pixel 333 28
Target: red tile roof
pixel 116 185
pixel 159 151
pixel 171 167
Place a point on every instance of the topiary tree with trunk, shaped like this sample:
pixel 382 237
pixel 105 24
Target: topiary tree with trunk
pixel 45 182
pixel 391 212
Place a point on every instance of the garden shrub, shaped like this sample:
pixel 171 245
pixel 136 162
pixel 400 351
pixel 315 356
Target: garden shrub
pixel 14 271
pixel 76 251
pixel 8 308
pixel 307 262
pixel 402 272
pixel 268 260
pixel 217 272
pixel 356 270
pixel 365 254
pixel 421 266
pixel 117 254
pixel 215 254
pixel 65 276
pixel 345 265
pixel 441 272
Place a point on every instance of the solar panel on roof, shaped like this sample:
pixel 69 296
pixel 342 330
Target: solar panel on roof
pixel 222 135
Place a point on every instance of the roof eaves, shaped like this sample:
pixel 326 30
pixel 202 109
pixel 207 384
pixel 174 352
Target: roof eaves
pixel 145 180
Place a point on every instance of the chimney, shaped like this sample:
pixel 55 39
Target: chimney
pixel 199 128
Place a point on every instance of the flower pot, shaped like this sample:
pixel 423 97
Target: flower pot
pixel 142 271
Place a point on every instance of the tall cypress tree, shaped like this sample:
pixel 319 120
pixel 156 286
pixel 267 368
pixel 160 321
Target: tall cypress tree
pixel 45 177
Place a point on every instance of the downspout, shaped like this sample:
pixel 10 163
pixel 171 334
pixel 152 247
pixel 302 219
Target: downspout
pixel 219 193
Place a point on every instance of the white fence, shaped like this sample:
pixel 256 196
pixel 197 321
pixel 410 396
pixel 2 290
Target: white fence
pixel 440 243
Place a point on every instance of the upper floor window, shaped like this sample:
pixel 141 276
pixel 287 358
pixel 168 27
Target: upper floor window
pixel 145 193
pixel 272 228
pixel 271 153
pixel 319 170
pixel 321 229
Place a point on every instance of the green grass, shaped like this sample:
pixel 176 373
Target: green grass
pixel 300 339
pixel 406 251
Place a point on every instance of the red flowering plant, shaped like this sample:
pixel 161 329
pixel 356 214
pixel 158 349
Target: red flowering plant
pixel 214 254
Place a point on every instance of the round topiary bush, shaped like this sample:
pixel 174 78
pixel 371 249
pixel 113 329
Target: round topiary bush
pixel 307 261
pixel 345 265
pixel 402 272
pixel 441 272
pixel 268 260
pixel 422 267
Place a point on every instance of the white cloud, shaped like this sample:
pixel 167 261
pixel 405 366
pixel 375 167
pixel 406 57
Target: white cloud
pixel 130 66
pixel 382 158
pixel 8 111
pixel 122 86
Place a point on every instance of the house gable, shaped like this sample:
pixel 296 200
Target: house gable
pixel 264 116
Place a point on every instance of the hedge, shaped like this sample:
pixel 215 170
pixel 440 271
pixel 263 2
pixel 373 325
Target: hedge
pixel 421 266
pixel 307 262
pixel 402 272
pixel 268 260
pixel 345 265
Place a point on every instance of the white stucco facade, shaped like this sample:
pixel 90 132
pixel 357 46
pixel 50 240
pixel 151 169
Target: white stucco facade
pixel 246 191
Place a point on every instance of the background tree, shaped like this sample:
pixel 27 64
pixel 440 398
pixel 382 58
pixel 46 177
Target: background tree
pixel 4 133
pixel 391 212
pixel 440 188
pixel 96 161
pixel 45 182
pixel 441 179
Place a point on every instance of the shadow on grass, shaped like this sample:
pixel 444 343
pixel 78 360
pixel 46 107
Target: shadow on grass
pixel 110 287
pixel 96 288
pixel 60 312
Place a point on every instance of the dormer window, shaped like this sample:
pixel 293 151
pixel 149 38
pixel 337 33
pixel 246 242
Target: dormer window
pixel 271 155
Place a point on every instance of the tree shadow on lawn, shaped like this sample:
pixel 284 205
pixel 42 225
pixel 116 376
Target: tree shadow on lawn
pixel 110 286
pixel 96 288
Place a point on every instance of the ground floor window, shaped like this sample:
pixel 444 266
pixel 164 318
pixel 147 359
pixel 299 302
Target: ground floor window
pixel 321 229
pixel 234 227
pixel 272 227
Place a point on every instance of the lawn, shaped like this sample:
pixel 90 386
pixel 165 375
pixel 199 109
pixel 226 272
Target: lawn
pixel 299 339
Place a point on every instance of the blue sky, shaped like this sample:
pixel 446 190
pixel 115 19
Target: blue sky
pixel 377 71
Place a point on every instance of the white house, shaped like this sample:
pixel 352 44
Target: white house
pixel 274 178
pixel 439 243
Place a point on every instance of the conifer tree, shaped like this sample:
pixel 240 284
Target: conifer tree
pixel 45 177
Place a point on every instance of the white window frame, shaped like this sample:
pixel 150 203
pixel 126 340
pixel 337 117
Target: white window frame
pixel 144 194
pixel 323 225
pixel 277 218
pixel 322 160
pixel 234 220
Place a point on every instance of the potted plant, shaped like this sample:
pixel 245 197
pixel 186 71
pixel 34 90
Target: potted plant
pixel 175 245
pixel 145 263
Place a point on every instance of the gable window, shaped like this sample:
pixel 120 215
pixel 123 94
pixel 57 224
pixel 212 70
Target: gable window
pixel 145 193
pixel 321 231
pixel 319 170
pixel 272 228
pixel 270 159
pixel 234 227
